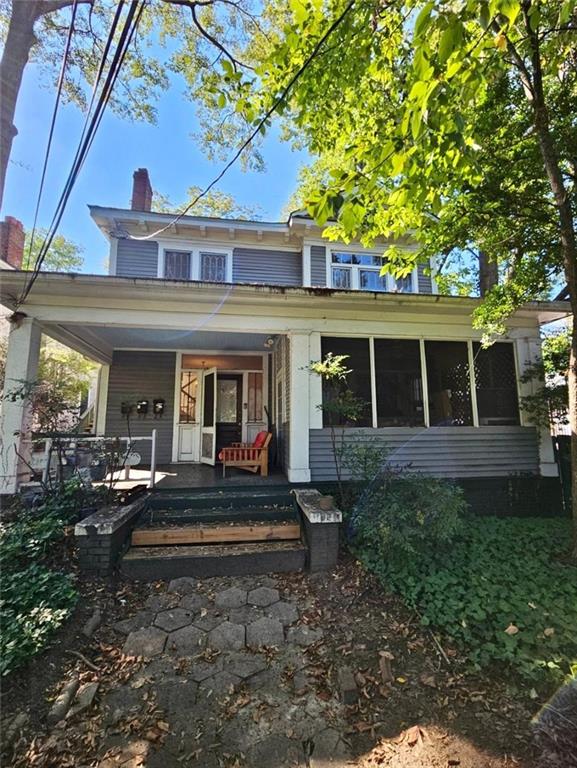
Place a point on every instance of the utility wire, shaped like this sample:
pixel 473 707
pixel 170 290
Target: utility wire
pixel 272 109
pixel 52 124
pixel 91 126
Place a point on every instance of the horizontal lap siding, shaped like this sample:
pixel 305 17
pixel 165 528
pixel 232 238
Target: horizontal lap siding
pixel 424 281
pixel 137 258
pixel 147 376
pixel 255 265
pixel 442 451
pixel 318 265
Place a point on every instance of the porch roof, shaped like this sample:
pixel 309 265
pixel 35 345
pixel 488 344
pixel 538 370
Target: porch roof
pixel 103 289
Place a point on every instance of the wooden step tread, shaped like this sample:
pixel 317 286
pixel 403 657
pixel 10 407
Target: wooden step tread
pixel 224 550
pixel 216 533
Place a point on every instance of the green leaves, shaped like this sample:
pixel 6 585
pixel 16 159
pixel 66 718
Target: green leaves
pixel 499 591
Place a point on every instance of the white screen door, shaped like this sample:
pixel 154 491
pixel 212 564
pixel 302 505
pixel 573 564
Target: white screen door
pixel 208 428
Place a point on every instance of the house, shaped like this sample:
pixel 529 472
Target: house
pixel 211 325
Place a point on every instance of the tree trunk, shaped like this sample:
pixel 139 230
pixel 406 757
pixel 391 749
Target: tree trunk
pixel 19 41
pixel 536 95
pixel 569 251
pixel 488 273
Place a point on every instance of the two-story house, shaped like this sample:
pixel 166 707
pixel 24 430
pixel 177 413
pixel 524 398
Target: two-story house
pixel 213 324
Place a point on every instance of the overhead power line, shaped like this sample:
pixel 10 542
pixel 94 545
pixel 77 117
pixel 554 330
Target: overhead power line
pixel 92 121
pixel 52 124
pixel 248 141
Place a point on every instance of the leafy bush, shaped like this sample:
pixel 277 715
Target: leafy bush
pixel 499 592
pixel 35 599
pixel 34 603
pixel 406 516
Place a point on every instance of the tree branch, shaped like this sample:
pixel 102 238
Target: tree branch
pixel 51 6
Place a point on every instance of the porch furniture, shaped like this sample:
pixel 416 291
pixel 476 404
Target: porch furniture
pixel 249 456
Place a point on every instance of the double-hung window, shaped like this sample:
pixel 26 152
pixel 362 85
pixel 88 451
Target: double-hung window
pixel 362 271
pixel 177 265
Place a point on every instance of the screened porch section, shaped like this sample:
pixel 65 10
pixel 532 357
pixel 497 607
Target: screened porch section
pixel 426 383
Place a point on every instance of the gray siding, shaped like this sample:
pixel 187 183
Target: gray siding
pixel 441 451
pixel 137 258
pixel 424 281
pixel 318 265
pixel 255 265
pixel 142 375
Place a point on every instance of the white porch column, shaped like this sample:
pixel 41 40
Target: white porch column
pixel 315 384
pixel 102 399
pixel 299 419
pixel 21 366
pixel 528 351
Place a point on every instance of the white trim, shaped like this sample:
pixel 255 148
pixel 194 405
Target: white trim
pixel 102 399
pixel 434 264
pixel 299 418
pixel 176 408
pixel 306 264
pixel 113 256
pixel 315 384
pixel 373 375
pixel 473 384
pixel 424 384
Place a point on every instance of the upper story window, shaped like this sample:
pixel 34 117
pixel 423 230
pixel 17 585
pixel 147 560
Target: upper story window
pixel 177 265
pixel 213 267
pixel 193 262
pixel 362 271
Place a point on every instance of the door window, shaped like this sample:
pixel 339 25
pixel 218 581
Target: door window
pixel 227 401
pixel 188 397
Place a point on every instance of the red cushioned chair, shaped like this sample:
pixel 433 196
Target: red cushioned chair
pixel 250 456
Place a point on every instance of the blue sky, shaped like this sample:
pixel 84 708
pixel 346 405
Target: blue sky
pixel 174 161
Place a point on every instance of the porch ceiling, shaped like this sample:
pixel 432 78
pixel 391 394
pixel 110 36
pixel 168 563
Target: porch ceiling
pixel 100 341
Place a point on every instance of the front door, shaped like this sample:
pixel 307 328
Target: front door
pixel 189 417
pixel 228 410
pixel 209 406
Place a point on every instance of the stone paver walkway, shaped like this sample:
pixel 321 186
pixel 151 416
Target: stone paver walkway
pixel 229 663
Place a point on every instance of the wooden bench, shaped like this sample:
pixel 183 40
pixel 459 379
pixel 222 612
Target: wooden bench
pixel 250 456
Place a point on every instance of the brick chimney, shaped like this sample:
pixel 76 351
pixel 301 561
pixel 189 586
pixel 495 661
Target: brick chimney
pixel 141 191
pixel 12 241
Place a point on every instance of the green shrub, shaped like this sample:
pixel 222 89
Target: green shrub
pixel 34 603
pixel 35 598
pixel 499 592
pixel 406 516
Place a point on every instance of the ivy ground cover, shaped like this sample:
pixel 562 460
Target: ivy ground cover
pixel 500 591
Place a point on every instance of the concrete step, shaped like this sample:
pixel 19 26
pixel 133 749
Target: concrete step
pixel 171 562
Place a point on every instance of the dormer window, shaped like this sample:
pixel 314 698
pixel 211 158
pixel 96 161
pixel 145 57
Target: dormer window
pixel 177 265
pixel 362 271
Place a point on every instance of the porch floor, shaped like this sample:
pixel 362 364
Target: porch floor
pixel 197 476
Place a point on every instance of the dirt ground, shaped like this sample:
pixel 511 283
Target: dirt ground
pixel 417 705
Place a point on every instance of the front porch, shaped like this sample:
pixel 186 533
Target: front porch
pixel 196 476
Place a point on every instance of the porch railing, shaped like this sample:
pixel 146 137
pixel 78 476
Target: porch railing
pixel 75 439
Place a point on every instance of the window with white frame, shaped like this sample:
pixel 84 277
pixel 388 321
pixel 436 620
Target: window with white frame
pixel 213 267
pixel 362 271
pixel 177 265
